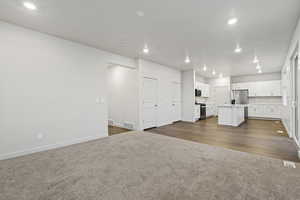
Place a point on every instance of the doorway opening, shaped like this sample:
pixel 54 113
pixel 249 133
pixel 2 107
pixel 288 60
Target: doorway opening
pixel 122 83
pixel 295 95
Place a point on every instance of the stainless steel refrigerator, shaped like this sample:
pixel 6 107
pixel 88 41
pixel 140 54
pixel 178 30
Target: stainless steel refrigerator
pixel 240 96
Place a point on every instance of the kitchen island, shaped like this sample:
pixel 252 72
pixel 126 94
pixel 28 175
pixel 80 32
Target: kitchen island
pixel 231 115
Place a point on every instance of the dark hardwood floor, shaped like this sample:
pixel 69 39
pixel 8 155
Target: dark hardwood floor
pixel 256 136
pixel 112 130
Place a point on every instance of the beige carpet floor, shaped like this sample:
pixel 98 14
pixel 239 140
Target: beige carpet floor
pixel 146 166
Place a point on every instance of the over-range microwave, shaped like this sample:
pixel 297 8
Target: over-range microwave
pixel 198 93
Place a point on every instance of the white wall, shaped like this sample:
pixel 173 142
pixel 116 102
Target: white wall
pixel 123 96
pixel 201 79
pixel 215 85
pixel 49 88
pixel 215 82
pixel 165 77
pixel 287 83
pixel 188 95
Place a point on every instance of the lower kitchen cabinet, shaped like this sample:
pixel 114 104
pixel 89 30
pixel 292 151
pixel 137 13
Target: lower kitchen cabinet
pixel 197 111
pixel 210 111
pixel 264 110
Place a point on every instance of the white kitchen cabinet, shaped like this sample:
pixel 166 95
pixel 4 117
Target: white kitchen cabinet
pixel 209 110
pixel 251 89
pixel 276 88
pixel 197 112
pixel 260 88
pixel 272 111
pixel 205 89
pixel 264 110
pixel 240 86
pixel 251 110
pixel 260 110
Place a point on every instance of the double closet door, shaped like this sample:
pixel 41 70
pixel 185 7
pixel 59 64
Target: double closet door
pixel 161 102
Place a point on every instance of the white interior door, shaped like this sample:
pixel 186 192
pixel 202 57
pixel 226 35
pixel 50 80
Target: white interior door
pixel 297 89
pixel 295 93
pixel 176 101
pixel 149 102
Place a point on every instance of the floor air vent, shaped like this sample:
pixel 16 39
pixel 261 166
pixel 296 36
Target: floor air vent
pixel 129 126
pixel 289 164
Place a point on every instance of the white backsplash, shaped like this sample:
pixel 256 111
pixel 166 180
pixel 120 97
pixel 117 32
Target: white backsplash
pixel 201 100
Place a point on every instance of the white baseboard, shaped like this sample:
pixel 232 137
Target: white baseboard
pixel 297 143
pixel 286 128
pixel 265 118
pixel 48 147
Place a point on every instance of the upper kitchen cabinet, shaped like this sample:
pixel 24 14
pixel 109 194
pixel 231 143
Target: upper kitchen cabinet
pixel 240 86
pixel 260 88
pixel 275 88
pixel 205 89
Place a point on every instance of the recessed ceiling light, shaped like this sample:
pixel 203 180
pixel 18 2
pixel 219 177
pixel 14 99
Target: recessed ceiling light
pixel 29 5
pixel 146 49
pixel 140 13
pixel 205 68
pixel 255 60
pixel 232 21
pixel 238 49
pixel 259 71
pixel 187 60
pixel 213 72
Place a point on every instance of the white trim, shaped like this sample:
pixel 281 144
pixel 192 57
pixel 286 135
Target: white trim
pixel 297 143
pixel 48 147
pixel 286 128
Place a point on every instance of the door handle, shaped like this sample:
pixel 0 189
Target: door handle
pixel 155 105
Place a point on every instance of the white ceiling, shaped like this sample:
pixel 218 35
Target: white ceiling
pixel 171 29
